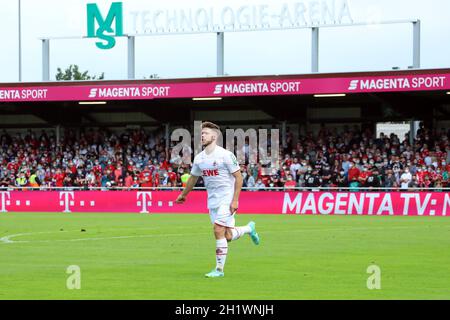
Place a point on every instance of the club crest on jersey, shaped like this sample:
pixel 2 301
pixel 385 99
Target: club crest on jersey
pixel 234 160
pixel 215 163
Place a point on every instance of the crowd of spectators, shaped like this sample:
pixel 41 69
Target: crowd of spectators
pixel 357 160
pixel 97 158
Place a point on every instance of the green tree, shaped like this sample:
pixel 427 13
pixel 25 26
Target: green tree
pixel 73 73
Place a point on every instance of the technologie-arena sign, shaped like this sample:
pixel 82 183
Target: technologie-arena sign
pixel 132 18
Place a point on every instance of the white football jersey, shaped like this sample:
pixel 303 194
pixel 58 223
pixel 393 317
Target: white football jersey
pixel 217 170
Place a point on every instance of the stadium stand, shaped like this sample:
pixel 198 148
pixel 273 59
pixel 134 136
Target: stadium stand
pixel 98 158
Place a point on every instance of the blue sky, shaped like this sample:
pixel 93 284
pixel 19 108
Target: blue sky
pixel 246 53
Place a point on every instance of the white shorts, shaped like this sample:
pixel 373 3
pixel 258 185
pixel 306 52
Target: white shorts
pixel 222 216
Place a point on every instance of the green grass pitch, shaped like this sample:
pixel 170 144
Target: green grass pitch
pixel 158 256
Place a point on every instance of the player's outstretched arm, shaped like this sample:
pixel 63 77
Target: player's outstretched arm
pixel 189 186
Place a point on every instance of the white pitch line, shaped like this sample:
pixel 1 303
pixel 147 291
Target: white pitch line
pixel 7 239
pixel 94 239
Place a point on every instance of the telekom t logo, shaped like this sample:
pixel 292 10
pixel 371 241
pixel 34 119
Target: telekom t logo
pixel 5 200
pixel 67 200
pixel 142 201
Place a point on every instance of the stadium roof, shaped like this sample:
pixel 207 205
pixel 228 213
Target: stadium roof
pixel 248 77
pixel 381 96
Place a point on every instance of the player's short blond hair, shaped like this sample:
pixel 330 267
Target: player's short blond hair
pixel 210 125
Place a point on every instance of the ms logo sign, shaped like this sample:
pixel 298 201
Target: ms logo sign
pixel 105 29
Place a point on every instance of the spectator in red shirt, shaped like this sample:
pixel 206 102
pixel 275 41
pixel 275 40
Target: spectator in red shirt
pixel 59 178
pixel 146 179
pixel 110 166
pixel 156 179
pixel 362 178
pixel 97 168
pixel 131 167
pixel 164 165
pixel 13 165
pixel 421 174
pixel 353 173
pixel 290 183
pixel 437 175
pixel 287 161
pixel 172 175
pixel 128 180
pixel 118 173
pixel 72 167
pixel 427 183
